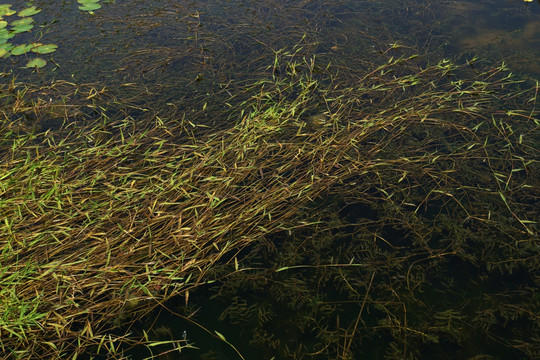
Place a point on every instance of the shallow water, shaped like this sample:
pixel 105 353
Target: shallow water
pixel 193 46
pixel 186 54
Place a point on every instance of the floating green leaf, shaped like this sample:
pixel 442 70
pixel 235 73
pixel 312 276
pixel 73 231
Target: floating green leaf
pixel 36 63
pixel 5 34
pixel 21 28
pixel 6 47
pixel 5 10
pixel 23 21
pixel 44 49
pixel 4 53
pixel 21 49
pixel 32 10
pixel 90 7
pixel 3 24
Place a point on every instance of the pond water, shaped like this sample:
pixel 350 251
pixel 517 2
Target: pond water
pixel 184 50
pixel 171 58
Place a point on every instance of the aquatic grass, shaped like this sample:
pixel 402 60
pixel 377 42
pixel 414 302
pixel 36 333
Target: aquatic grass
pixel 105 221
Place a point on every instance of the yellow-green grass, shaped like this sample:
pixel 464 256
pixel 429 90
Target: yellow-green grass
pixel 100 224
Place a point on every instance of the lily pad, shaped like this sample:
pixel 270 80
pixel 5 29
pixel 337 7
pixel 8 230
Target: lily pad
pixel 90 7
pixel 23 21
pixel 83 2
pixel 21 28
pixel 32 10
pixel 21 49
pixel 3 24
pixel 5 10
pixel 5 34
pixel 6 46
pixel 44 49
pixel 4 50
pixel 36 63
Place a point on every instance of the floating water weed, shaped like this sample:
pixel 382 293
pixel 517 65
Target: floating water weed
pixel 119 216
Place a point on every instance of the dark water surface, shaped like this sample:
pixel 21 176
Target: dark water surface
pixel 186 55
pixel 182 49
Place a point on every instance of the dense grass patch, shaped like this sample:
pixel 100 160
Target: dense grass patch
pixel 104 221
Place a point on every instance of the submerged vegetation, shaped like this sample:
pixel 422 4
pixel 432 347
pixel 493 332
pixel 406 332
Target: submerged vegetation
pixel 373 226
pixel 325 203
